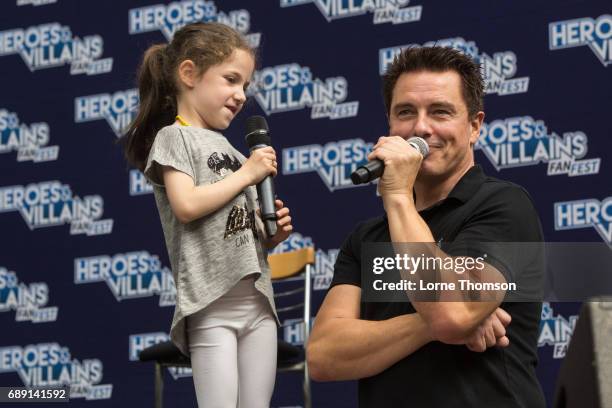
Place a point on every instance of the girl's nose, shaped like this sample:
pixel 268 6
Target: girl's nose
pixel 240 97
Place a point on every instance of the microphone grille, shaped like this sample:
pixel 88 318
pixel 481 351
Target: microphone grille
pixel 419 144
pixel 254 123
pixel 257 132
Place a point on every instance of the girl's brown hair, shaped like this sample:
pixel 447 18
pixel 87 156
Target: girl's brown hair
pixel 206 44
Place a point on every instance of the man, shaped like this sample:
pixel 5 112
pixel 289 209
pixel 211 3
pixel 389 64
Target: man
pixel 414 354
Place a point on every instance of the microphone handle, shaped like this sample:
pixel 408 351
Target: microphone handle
pixel 265 192
pixel 266 195
pixel 368 172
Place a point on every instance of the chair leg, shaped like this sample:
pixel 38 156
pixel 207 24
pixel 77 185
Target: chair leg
pixel 306 387
pixel 159 386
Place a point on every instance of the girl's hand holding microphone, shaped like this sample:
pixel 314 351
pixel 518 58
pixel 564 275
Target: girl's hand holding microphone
pixel 260 164
pixel 283 224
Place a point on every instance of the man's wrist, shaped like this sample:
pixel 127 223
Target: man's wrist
pixel 425 331
pixel 398 201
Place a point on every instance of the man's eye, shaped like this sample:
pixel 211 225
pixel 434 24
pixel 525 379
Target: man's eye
pixel 404 113
pixel 441 112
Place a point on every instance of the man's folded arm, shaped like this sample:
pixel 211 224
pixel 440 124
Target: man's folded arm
pixel 448 321
pixel 344 347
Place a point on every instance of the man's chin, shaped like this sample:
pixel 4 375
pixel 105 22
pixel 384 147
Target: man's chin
pixel 427 173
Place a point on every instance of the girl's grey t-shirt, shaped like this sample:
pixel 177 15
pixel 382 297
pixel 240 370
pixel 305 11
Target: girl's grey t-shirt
pixel 209 255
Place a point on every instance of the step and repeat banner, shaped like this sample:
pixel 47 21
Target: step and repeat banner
pixel 85 281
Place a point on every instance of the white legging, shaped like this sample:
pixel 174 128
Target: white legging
pixel 233 350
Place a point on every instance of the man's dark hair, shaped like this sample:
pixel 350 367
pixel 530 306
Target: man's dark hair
pixel 437 59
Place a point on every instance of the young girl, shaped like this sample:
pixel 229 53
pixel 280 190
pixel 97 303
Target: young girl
pixel 224 319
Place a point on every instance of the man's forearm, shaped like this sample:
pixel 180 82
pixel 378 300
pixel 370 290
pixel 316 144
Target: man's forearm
pixel 349 349
pixel 448 320
pixel 405 224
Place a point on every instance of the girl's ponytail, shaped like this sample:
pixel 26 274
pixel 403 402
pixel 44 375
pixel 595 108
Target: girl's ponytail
pixel 157 106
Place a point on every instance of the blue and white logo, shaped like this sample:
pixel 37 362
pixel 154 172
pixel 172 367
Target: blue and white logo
pixel 385 11
pixel 53 45
pixel 586 213
pixel 556 331
pixel 118 109
pixel 523 141
pixel 294 242
pixel 292 87
pixel 128 276
pixel 139 185
pixel 35 2
pixel 594 33
pixel 51 365
pixel 293 330
pixel 27 300
pixel 168 18
pixel 498 69
pixel 334 162
pixel 51 203
pixel 139 342
pixel 324 269
pixel 324 260
pixel 29 141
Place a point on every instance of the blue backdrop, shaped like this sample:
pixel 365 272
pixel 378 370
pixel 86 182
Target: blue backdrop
pixel 84 274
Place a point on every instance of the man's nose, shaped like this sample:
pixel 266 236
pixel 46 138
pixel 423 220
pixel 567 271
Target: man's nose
pixel 422 127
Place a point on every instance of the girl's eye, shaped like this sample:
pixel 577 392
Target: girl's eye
pixel 230 79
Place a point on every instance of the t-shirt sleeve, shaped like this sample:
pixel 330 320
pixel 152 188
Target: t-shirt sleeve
pixel 169 149
pixel 506 228
pixel 347 269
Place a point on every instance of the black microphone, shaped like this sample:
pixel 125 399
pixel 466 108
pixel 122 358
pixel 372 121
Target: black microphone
pixel 375 168
pixel 257 137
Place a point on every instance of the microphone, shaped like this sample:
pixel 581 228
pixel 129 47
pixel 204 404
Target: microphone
pixel 257 137
pixel 375 168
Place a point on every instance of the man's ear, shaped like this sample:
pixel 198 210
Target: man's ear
pixel 187 73
pixel 476 125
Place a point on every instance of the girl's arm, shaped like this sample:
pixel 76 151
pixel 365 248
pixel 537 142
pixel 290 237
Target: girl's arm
pixel 190 202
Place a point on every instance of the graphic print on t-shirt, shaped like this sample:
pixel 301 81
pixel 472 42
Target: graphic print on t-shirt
pixel 240 219
pixel 225 162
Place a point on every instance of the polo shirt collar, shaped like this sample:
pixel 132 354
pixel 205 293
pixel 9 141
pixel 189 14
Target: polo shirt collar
pixel 465 188
pixel 468 184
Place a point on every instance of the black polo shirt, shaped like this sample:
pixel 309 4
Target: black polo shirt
pixel 478 209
